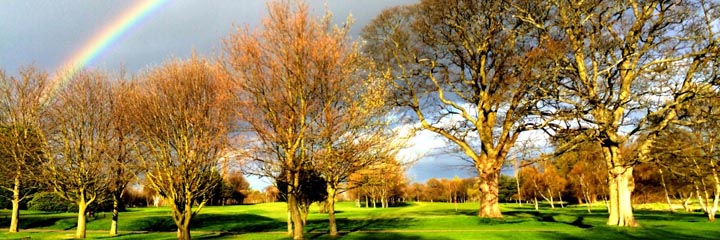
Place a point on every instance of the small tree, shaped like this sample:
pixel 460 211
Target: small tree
pixel 21 140
pixel 78 126
pixel 182 113
pixel 122 164
pixel 281 74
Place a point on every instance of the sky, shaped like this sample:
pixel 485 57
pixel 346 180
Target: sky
pixel 50 33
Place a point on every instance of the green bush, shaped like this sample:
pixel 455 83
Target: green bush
pixel 50 202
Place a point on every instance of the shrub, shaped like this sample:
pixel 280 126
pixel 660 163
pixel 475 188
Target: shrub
pixel 50 202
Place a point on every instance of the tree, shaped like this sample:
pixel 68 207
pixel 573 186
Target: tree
pixel 612 61
pixel 529 179
pixel 352 132
pixel 183 115
pixel 123 161
pixel 550 183
pixel 310 191
pixel 280 73
pixel 79 126
pixel 690 150
pixel 381 181
pixel 21 141
pixel 235 188
pixel 588 181
pixel 454 67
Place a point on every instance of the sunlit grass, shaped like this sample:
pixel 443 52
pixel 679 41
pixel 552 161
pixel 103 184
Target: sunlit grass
pixel 413 221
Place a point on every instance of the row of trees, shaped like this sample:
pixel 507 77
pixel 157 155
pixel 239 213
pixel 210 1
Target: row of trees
pixel 294 101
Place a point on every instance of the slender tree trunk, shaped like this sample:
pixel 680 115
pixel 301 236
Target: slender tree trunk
pixel 82 219
pixel 489 206
pixel 550 199
pixel 700 198
pixel 367 202
pixel 686 203
pixel 331 210
pixel 562 205
pixel 536 204
pixel 667 194
pixel 115 211
pixel 15 218
pixel 517 182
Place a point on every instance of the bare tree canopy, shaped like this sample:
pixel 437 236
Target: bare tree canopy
pixel 624 65
pixel 21 141
pixel 182 112
pixel 78 125
pixel 457 67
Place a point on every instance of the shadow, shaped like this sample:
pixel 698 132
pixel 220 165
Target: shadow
pixel 579 223
pixel 155 224
pixel 612 233
pixel 236 223
pixel 393 236
pixel 41 222
pixel 132 235
pixel 346 225
pixel 641 215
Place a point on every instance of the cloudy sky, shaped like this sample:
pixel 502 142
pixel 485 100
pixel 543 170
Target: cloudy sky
pixel 47 33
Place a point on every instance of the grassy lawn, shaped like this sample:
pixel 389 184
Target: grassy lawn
pixel 414 221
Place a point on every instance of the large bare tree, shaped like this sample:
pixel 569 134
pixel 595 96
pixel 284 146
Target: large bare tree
pixel 624 68
pixel 21 141
pixel 183 116
pixel 281 73
pixel 78 125
pixel 456 67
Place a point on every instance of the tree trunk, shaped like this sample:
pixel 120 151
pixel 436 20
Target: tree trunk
pixel 686 203
pixel 621 186
pixel 552 203
pixel 331 210
pixel 115 211
pixel 562 205
pixel 667 194
pixel 183 232
pixel 182 215
pixel 82 219
pixel 536 204
pixel 296 218
pixel 489 206
pixel 15 218
pixel 517 182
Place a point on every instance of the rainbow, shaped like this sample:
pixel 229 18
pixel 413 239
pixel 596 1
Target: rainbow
pixel 106 37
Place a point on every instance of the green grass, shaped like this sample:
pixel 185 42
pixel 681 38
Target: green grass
pixel 414 221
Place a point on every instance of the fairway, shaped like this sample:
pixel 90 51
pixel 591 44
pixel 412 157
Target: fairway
pixel 422 220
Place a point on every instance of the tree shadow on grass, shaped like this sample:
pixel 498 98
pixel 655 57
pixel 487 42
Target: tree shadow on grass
pixel 612 233
pixel 642 215
pixel 353 225
pixel 42 221
pixel 394 236
pixel 237 223
pixel 155 224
